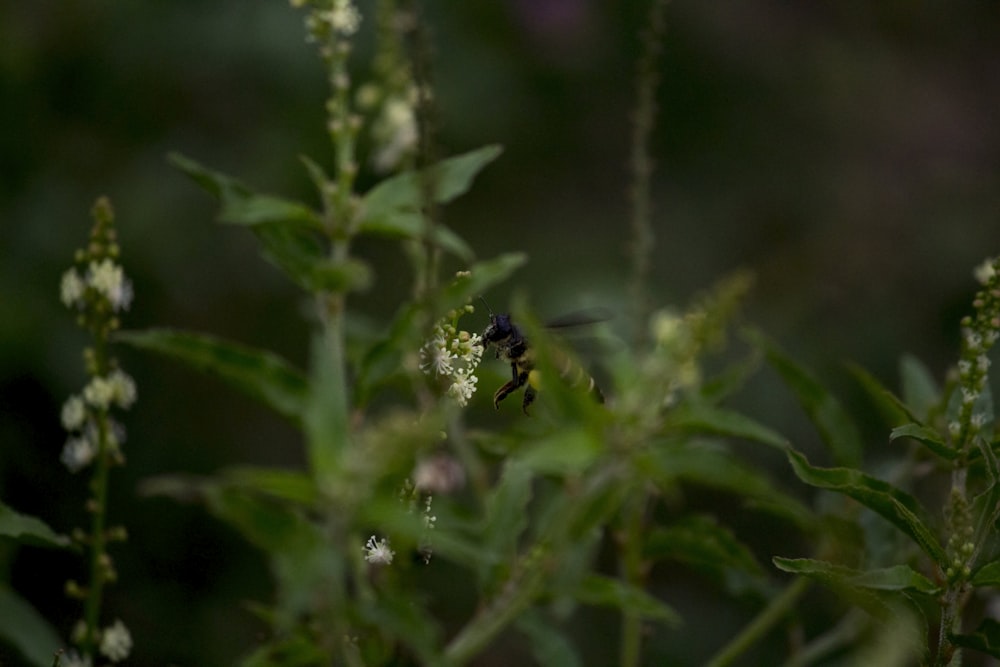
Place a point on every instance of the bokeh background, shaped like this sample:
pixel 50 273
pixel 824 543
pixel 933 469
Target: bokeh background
pixel 846 153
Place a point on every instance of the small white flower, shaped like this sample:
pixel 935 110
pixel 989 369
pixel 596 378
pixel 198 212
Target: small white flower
pixel 123 388
pixel 464 386
pixel 108 279
pixel 116 642
pixel 954 428
pixel 74 413
pixel 77 453
pixel 985 271
pixel 395 132
pixel 434 356
pixel 73 659
pixel 378 551
pixel 99 393
pixel 344 18
pixel 72 288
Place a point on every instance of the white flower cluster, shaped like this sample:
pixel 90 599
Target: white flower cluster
pixel 453 354
pixel 116 642
pixel 115 645
pixel 105 278
pixel 395 131
pixel 341 18
pixel 378 552
pixel 116 389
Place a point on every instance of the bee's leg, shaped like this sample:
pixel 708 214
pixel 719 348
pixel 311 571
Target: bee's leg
pixel 503 392
pixel 529 397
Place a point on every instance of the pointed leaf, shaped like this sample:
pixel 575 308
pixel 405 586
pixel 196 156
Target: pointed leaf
pixel 926 436
pixel 596 589
pixel 27 630
pixel 891 406
pixel 303 257
pixel 704 545
pixel 261 374
pixel 263 209
pixel 29 530
pixel 411 225
pixel 895 505
pixel 986 638
pixel 449 179
pixel 987 575
pixel 835 426
pixel 221 186
pixel 719 421
pixel 506 515
pixel 714 468
pixel 895 578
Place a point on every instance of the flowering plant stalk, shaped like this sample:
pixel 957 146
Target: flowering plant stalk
pixel 97 290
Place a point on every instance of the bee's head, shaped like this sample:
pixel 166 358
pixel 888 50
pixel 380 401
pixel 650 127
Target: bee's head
pixel 499 329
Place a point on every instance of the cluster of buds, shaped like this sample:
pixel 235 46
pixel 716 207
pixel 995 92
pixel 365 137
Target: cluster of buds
pixel 979 333
pixel 97 289
pixel 453 354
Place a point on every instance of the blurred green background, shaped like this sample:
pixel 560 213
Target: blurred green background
pixel 847 153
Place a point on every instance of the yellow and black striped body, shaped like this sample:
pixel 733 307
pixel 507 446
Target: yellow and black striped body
pixel 512 346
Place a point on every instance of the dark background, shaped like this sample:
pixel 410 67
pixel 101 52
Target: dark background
pixel 847 153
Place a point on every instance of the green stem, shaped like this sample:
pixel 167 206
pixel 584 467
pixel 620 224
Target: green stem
pixel 98 507
pixel 632 573
pixel 776 610
pixel 491 620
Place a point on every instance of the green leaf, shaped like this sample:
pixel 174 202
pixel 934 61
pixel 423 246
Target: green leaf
pixel 713 467
pixel 29 530
pixel 895 505
pixel 449 179
pixel 301 557
pixel 895 578
pixel 394 207
pixel 564 452
pixel 926 436
pixel 549 646
pixel 987 575
pixel 891 406
pixel 831 420
pixel 27 630
pixel 920 391
pixel 267 209
pixel 596 589
pixel 411 225
pixel 262 375
pixel 290 485
pixel 506 510
pixel 707 547
pixel 302 255
pixel 719 421
pixel 221 186
pixel 986 638
pixel 326 412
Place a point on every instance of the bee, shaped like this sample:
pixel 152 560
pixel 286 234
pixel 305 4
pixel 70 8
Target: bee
pixel 512 346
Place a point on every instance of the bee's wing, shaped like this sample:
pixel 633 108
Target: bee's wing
pixel 580 318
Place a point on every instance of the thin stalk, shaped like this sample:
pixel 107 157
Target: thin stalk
pixel 97 505
pixel 776 610
pixel 641 165
pixel 630 550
